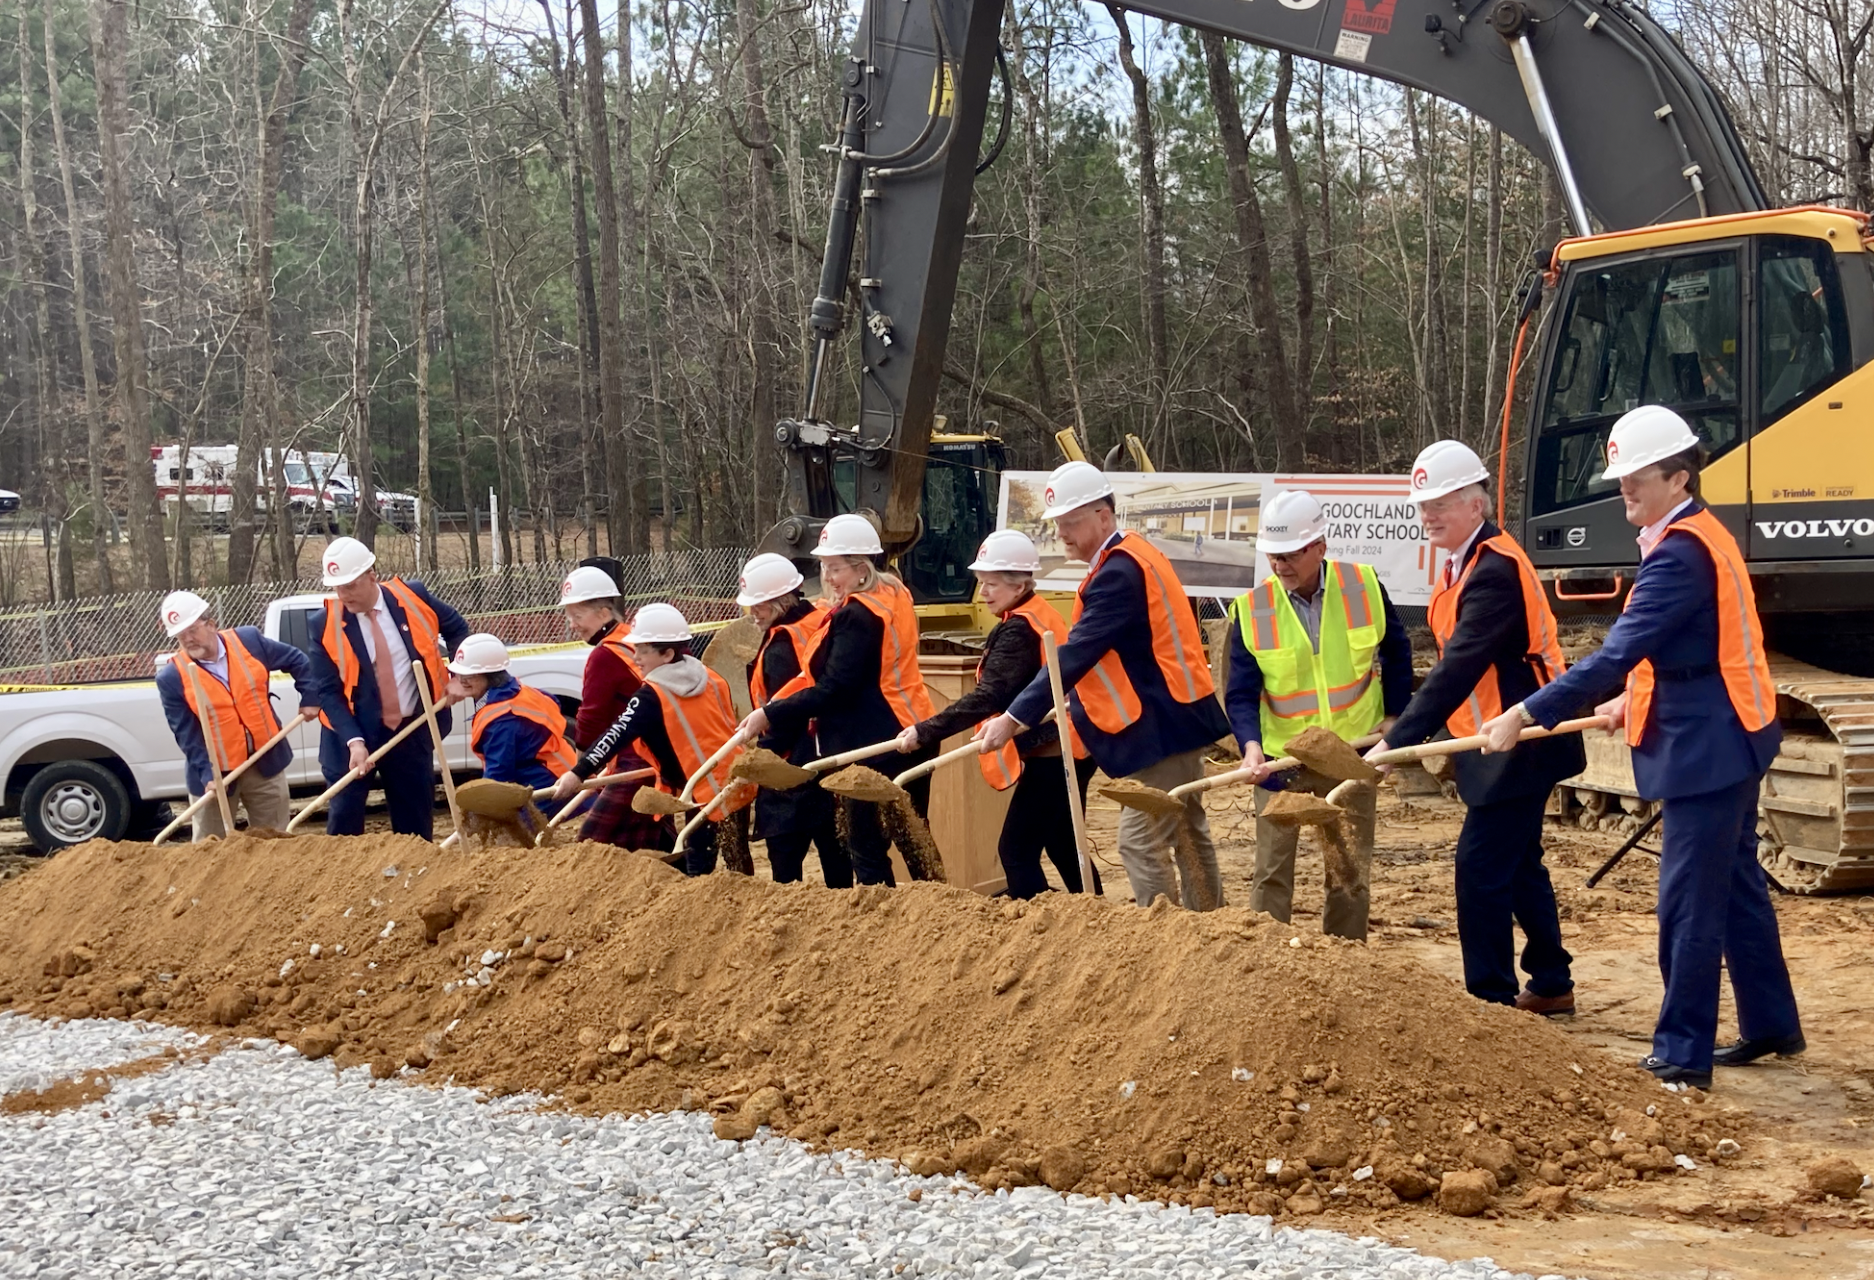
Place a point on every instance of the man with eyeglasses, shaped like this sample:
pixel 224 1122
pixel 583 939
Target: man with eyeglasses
pixel 1496 646
pixel 1317 642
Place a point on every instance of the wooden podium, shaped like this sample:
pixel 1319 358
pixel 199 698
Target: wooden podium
pixel 965 812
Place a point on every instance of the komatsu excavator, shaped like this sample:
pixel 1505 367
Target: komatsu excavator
pixel 1681 286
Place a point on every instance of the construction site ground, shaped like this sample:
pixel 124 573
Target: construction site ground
pixel 1750 1214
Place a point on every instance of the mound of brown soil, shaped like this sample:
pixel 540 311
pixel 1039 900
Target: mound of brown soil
pixel 1214 1058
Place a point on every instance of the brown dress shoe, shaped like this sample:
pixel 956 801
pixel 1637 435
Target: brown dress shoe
pixel 1548 1006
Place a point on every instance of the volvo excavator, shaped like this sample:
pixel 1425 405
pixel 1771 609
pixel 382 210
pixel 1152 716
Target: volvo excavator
pixel 1680 286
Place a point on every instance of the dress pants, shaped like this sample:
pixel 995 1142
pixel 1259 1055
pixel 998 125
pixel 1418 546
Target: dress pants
pixel 264 799
pixel 1500 880
pixel 814 822
pixel 1713 903
pixel 407 776
pixel 1349 880
pixel 1146 839
pixel 1039 819
pixel 867 843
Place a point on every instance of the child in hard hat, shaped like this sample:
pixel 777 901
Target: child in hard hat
pixel 683 714
pixel 519 734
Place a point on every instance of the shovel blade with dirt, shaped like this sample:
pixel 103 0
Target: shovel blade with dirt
pixel 1317 748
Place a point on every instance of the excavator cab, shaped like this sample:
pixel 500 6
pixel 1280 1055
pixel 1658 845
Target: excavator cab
pixel 1758 329
pixel 962 487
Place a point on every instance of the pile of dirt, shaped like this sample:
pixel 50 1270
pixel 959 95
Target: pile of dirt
pixel 1213 1059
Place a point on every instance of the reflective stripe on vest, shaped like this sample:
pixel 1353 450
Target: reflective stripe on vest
pixel 1545 651
pixel 1003 768
pixel 898 676
pixel 236 716
pixel 697 726
pixel 1297 675
pixel 804 635
pixel 425 635
pixel 529 704
pixel 1741 659
pixel 1106 693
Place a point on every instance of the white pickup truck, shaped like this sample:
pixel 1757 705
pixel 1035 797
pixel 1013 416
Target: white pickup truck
pixel 98 760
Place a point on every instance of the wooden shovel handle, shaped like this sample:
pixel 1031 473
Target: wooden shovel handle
pixel 319 801
pixel 964 752
pixel 598 781
pixel 1236 777
pixel 702 815
pixel 230 780
pixel 854 756
pixel 689 786
pixel 442 753
pixel 1457 746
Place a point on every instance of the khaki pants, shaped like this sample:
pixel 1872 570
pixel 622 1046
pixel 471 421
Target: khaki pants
pixel 1348 877
pixel 265 800
pixel 1146 841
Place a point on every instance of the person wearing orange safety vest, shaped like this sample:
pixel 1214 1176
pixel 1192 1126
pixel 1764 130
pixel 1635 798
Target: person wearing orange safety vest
pixel 1699 710
pixel 1140 693
pixel 789 820
pixel 590 600
pixel 1496 645
pixel 219 681
pixel 1317 642
pixel 1038 817
pixel 518 733
pixel 862 685
pixel 369 642
pixel 679 718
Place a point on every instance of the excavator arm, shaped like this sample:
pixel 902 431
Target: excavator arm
pixel 1634 132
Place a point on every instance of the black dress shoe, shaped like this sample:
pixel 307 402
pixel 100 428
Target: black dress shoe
pixel 1739 1052
pixel 1670 1073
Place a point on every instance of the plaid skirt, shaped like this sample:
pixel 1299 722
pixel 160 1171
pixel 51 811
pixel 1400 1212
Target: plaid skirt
pixel 612 820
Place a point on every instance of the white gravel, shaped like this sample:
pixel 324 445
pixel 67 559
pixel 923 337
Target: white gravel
pixel 255 1162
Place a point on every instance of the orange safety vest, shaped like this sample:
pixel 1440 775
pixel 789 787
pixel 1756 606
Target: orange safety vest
pixel 556 753
pixel 697 726
pixel 615 641
pixel 1741 658
pixel 1545 651
pixel 1106 692
pixel 805 637
pixel 898 676
pixel 238 714
pixel 1003 768
pixel 425 631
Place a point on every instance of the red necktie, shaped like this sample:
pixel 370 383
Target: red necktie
pixel 386 674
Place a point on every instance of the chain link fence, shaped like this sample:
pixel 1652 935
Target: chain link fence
pixel 117 637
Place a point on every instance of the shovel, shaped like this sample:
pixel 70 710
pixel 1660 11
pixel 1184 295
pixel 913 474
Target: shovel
pixel 1136 795
pixel 319 801
pixel 212 744
pixel 660 804
pixel 766 769
pixel 701 816
pixel 733 647
pixel 1297 813
pixel 442 754
pixel 502 802
pixel 230 780
pixel 591 784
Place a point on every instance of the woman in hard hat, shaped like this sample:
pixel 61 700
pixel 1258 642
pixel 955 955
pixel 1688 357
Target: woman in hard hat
pixel 1699 709
pixel 866 685
pixel 791 626
pixel 519 733
pixel 1038 816
pixel 590 599
pixel 680 717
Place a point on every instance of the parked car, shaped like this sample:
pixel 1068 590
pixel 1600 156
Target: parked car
pixel 9 502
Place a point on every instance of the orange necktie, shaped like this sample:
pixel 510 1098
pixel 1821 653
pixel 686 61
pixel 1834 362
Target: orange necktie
pixel 386 674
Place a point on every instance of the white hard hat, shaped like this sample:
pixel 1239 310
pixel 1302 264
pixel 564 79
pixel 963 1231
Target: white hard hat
pixel 849 535
pixel 1445 466
pixel 1072 485
pixel 587 582
pixel 658 624
pixel 345 560
pixel 1009 551
pixel 479 655
pixel 768 577
pixel 1651 433
pixel 180 608
pixel 1291 520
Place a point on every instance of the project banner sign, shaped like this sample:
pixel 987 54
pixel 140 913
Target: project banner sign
pixel 1206 522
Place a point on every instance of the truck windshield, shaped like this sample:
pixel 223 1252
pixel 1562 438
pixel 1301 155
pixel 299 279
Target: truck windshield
pixel 1656 330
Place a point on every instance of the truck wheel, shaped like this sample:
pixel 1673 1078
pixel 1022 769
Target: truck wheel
pixel 74 801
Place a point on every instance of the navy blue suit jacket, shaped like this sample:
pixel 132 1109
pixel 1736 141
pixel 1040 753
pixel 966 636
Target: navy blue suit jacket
pixel 188 730
pixel 1114 618
pixel 364 716
pixel 1491 631
pixel 1243 695
pixel 1692 741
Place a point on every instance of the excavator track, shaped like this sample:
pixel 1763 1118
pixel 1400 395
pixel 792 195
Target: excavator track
pixel 1816 813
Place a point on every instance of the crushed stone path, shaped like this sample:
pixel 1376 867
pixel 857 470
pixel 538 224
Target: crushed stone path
pixel 256 1162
